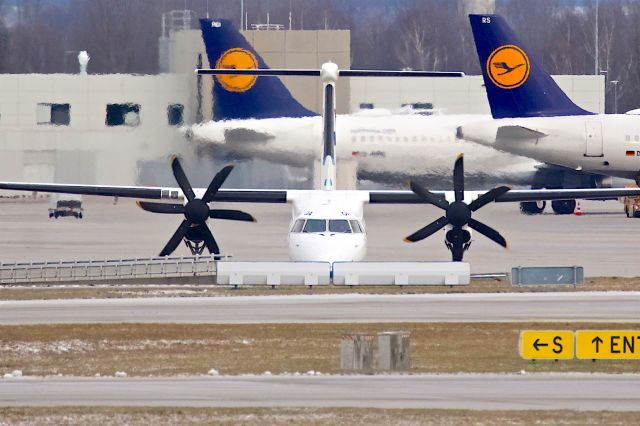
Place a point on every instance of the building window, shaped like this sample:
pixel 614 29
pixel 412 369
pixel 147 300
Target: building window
pixel 175 114
pixel 366 105
pixel 56 114
pixel 123 115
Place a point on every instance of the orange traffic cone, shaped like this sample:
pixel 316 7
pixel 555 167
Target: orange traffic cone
pixel 578 211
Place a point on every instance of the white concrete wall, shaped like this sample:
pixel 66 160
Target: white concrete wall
pixel 464 95
pixel 107 155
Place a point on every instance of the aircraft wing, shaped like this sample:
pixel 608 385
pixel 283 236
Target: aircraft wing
pixel 512 196
pixel 147 192
pixel 518 132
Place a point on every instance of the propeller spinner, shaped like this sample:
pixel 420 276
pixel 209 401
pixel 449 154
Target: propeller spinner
pixel 457 214
pixel 196 212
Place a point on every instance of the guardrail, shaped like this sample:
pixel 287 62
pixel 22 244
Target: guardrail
pixel 84 270
pixel 231 273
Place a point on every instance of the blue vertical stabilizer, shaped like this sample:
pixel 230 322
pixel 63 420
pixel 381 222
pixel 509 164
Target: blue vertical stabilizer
pixel 243 97
pixel 517 86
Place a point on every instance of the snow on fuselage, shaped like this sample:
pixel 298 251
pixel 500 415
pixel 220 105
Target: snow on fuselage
pixel 408 144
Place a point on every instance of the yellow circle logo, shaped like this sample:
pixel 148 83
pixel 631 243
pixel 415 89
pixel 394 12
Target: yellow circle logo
pixel 237 59
pixel 508 66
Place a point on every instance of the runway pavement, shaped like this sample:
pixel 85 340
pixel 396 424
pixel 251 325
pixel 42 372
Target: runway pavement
pixel 603 240
pixel 454 391
pixel 505 307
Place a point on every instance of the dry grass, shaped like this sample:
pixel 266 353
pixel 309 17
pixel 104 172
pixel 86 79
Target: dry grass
pixel 307 416
pixel 101 290
pixel 175 349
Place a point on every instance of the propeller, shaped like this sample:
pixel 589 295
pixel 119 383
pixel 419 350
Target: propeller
pixel 196 211
pixel 457 214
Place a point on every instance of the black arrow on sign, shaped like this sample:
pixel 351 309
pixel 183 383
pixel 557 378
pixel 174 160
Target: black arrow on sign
pixel 597 340
pixel 537 344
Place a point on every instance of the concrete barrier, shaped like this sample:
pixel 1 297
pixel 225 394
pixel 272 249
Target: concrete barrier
pixel 401 273
pixel 273 273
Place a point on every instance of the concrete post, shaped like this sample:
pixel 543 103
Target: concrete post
pixel 393 347
pixel 356 352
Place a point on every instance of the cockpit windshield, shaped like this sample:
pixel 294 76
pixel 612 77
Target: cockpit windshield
pixel 315 225
pixel 339 225
pixel 336 226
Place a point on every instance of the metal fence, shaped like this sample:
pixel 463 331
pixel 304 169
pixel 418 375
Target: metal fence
pixel 85 270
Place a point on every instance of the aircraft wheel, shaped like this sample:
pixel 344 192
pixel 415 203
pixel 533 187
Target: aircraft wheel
pixel 532 207
pixel 563 206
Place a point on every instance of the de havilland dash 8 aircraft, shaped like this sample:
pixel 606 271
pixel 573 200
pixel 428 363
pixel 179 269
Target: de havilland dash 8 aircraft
pixel 257 117
pixel 327 224
pixel 533 117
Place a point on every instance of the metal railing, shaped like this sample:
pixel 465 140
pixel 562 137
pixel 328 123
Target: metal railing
pixel 84 270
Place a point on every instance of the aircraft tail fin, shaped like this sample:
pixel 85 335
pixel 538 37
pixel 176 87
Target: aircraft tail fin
pixel 517 86
pixel 243 97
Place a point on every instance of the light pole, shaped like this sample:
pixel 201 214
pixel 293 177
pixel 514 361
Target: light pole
pixel 615 95
pixel 603 108
pixel 597 66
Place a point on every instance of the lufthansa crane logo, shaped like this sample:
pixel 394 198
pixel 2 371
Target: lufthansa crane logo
pixel 237 59
pixel 508 67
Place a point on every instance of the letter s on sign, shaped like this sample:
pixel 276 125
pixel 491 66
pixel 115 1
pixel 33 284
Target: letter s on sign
pixel 486 19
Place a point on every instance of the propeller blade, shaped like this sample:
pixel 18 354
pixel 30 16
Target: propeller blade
pixel 231 215
pixel 488 197
pixel 181 178
pixel 458 178
pixel 161 207
pixel 435 199
pixel 488 232
pixel 428 230
pixel 176 238
pixel 208 239
pixel 216 183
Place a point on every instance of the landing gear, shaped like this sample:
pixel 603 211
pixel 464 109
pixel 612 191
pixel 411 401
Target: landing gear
pixel 196 247
pixel 532 207
pixel 458 241
pixel 563 206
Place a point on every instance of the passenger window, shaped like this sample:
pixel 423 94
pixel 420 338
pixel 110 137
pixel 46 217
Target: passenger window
pixel 297 227
pixel 636 138
pixel 628 138
pixel 355 226
pixel 339 225
pixel 315 225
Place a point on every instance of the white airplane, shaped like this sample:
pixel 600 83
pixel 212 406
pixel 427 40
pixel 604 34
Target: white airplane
pixel 533 117
pixel 327 224
pixel 259 118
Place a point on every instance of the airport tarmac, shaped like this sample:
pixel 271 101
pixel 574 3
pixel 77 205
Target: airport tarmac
pixel 603 240
pixel 333 308
pixel 573 391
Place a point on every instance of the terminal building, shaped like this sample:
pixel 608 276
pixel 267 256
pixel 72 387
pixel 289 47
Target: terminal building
pixel 121 129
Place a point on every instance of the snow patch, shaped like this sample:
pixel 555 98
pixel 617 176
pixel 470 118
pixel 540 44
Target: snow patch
pixel 213 372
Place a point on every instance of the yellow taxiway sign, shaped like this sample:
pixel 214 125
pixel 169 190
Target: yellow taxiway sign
pixel 546 344
pixel 608 344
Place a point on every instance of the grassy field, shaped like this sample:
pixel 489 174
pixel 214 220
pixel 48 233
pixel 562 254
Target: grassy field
pixel 307 416
pixel 100 289
pixel 175 349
